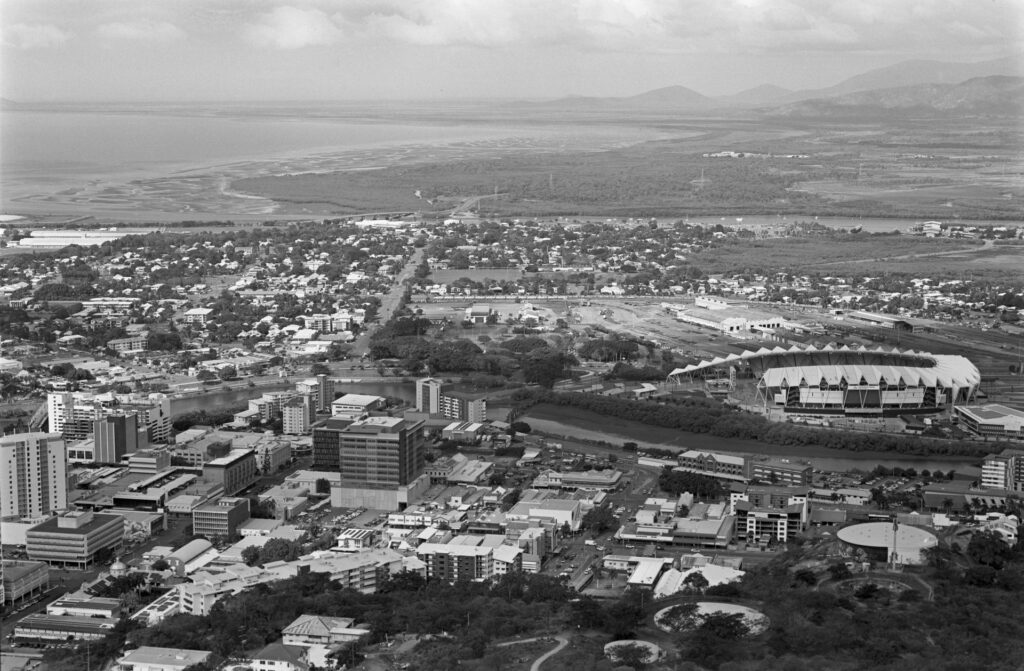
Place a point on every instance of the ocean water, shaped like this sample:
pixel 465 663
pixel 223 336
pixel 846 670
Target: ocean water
pixel 45 153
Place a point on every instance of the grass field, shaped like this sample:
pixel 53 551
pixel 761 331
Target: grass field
pixel 811 252
pixel 475 274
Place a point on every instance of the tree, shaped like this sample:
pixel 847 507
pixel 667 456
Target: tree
pixel 519 427
pixel 251 555
pixel 206 375
pixel 839 571
pixel 263 510
pixel 323 486
pixel 160 565
pixel 989 549
pixel 600 519
pixel 632 655
pixel 728 626
pixel 697 581
pixel 227 373
pixel 320 369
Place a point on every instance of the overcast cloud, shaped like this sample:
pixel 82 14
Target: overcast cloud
pixel 357 49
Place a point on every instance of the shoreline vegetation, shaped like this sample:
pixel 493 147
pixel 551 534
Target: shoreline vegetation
pixel 704 416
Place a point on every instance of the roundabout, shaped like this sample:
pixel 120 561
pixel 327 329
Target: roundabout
pixel 629 650
pixel 689 616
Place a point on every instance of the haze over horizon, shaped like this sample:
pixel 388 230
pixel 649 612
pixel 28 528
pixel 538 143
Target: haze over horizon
pixel 319 50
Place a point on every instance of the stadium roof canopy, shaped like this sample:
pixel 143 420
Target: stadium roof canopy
pixel 950 371
pixel 955 370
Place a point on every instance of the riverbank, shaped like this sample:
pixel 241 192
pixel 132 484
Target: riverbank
pixel 581 424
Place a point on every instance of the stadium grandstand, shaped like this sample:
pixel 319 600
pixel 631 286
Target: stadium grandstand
pixel 839 380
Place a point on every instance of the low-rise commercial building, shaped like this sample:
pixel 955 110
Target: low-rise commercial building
pixel 220 518
pixel 46 628
pixel 75 538
pixel 149 658
pixel 23 580
pixel 992 420
pixel 234 472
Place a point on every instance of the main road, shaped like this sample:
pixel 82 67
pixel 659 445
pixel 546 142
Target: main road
pixel 389 303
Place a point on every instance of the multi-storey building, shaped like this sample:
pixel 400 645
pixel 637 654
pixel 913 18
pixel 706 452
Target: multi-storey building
pixel 220 518
pixel 428 395
pixel 33 477
pixel 235 471
pixel 327 444
pixel 765 512
pixel 356 406
pixel 779 471
pixel 75 538
pixel 464 405
pixel 1004 470
pixel 452 562
pixel 362 571
pixel 22 580
pixel 321 388
pixel 382 452
pixel 73 413
pixel 129 345
pixel 435 397
pixel 724 466
pixel 271 404
pixel 298 414
pixel 116 435
pixel 742 468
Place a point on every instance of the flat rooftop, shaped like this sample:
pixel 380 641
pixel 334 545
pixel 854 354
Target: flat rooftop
pixel 992 412
pixel 228 459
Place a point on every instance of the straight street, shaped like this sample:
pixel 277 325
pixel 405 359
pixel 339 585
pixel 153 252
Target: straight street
pixel 389 303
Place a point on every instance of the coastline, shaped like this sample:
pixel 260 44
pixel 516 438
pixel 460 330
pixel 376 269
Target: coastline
pixel 203 188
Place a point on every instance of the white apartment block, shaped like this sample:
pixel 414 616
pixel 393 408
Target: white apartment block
pixel 33 474
pixel 72 413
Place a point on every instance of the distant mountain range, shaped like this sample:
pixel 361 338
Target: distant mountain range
pixel 997 95
pixel 991 87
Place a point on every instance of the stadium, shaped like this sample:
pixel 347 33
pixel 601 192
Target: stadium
pixel 843 381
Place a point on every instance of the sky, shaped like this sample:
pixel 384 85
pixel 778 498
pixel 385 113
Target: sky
pixel 265 50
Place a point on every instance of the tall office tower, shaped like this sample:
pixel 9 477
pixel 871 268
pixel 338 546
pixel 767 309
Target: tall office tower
pixel 327 444
pixel 72 413
pixel 33 477
pixel 428 395
pixel 325 393
pixel 382 452
pixel 115 436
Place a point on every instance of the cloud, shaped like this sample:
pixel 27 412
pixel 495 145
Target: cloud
pixel 290 27
pixel 154 31
pixel 34 36
pixel 690 26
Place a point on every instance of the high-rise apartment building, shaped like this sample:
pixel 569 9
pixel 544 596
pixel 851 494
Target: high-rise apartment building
pixel 297 415
pixel 73 413
pixel 321 388
pixel 435 397
pixel 428 395
pixel 33 474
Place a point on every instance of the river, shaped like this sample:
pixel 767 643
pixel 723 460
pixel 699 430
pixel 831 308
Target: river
pixel 820 458
pixel 868 224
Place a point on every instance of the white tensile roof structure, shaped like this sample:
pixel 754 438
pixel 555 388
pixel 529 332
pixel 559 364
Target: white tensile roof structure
pixel 833 363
